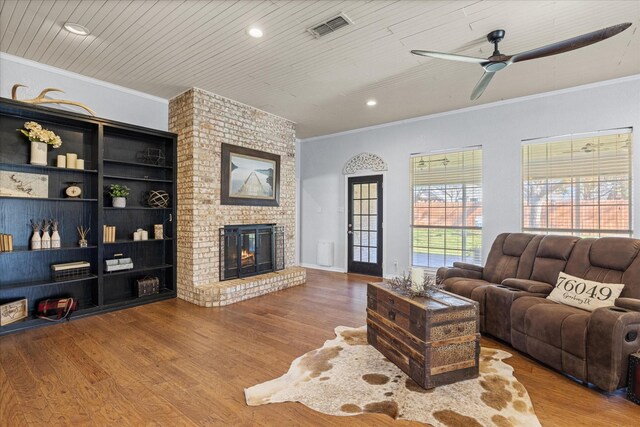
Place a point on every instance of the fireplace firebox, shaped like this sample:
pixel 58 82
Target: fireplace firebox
pixel 249 250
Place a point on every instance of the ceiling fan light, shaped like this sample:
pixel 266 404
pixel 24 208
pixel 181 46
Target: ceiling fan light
pixel 76 29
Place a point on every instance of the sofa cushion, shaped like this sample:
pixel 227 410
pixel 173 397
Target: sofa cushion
pixel 614 253
pixel 504 258
pixel 551 257
pixel 544 321
pixel 584 294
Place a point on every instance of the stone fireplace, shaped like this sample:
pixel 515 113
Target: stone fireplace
pixel 203 122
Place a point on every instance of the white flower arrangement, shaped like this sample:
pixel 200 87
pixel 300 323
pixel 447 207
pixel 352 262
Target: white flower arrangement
pixel 35 132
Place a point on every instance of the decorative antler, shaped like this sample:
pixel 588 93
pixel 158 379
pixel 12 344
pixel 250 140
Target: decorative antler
pixel 40 99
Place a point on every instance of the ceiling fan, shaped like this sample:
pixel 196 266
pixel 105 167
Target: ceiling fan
pixel 497 61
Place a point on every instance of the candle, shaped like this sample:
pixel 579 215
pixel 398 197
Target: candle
pixel 144 235
pixel 80 164
pixel 136 235
pixel 417 277
pixel 62 161
pixel 71 160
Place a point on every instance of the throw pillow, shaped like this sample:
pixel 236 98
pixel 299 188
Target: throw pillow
pixel 585 294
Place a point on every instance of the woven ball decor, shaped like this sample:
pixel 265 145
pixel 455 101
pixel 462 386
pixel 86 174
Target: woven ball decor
pixel 158 199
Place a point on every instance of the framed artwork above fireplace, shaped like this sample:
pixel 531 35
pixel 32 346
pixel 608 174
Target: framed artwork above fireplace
pixel 249 177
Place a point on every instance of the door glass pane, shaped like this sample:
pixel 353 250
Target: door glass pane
pixel 356 207
pixel 356 253
pixel 365 239
pixel 356 222
pixel 365 254
pixel 373 191
pixel 373 207
pixel 365 206
pixel 356 191
pixel 373 222
pixel 356 238
pixel 365 191
pixel 373 238
pixel 373 255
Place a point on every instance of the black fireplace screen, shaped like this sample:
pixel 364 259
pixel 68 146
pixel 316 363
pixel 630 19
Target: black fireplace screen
pixel 248 250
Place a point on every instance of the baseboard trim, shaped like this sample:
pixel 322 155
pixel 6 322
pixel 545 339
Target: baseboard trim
pixel 321 267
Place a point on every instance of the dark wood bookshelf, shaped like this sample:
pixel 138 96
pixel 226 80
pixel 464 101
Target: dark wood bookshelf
pixel 112 151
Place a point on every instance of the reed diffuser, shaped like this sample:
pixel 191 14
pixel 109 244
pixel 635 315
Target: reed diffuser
pixel 83 232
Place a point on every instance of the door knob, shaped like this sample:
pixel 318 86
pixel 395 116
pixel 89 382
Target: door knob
pixel 349 232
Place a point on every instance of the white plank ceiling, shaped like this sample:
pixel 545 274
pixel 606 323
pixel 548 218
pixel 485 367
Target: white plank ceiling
pixel 165 47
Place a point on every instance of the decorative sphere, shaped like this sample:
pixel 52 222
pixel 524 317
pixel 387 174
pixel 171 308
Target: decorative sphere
pixel 158 199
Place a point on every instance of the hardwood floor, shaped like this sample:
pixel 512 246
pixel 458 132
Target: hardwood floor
pixel 172 363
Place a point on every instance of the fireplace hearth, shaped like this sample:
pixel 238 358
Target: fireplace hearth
pixel 249 250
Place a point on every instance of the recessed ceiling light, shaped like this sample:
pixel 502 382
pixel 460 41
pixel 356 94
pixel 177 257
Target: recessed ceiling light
pixel 76 29
pixel 372 102
pixel 255 32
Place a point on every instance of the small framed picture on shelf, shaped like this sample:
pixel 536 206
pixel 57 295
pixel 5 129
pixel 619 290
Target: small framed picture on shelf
pixel 249 177
pixel 13 311
pixel 19 184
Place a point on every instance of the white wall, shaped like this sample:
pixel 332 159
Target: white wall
pixel 498 127
pixel 107 100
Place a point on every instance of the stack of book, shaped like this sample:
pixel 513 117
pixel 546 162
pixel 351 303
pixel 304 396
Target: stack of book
pixel 109 234
pixel 6 243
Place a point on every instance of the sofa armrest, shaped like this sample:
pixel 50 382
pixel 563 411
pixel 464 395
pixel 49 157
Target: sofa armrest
pixel 532 286
pixel 444 273
pixel 466 266
pixel 632 304
pixel 613 333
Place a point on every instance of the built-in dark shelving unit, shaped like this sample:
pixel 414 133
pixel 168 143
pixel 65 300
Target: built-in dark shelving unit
pixel 113 153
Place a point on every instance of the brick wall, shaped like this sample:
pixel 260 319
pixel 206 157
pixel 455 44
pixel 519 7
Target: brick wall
pixel 203 121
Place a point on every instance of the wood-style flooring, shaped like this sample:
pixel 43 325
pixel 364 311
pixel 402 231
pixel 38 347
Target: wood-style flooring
pixel 175 364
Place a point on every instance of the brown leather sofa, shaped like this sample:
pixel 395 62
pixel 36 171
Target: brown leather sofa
pixel 511 290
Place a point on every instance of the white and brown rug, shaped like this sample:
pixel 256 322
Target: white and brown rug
pixel 348 377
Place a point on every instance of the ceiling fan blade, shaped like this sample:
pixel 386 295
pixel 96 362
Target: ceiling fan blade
pixel 450 56
pixel 571 44
pixel 481 85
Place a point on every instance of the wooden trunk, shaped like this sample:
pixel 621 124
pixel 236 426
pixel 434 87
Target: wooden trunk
pixel 434 340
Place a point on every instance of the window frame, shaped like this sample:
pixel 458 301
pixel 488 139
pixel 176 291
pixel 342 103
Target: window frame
pixel 466 198
pixel 574 185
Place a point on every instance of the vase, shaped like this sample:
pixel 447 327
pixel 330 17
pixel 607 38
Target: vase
pixel 38 153
pixel 46 240
pixel 119 202
pixel 36 242
pixel 55 240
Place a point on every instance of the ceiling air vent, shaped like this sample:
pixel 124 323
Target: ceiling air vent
pixel 329 26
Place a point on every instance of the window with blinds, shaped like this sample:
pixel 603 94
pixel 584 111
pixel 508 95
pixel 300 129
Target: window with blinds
pixel 579 185
pixel 446 208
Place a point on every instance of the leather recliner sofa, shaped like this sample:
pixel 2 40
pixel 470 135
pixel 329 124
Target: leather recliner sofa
pixel 511 289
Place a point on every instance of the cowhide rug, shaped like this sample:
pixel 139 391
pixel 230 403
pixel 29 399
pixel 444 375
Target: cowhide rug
pixel 349 377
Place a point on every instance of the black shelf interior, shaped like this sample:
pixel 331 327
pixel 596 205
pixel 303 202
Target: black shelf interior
pixel 113 153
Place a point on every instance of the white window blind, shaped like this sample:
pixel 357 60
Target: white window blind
pixel 446 208
pixel 578 185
